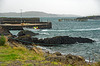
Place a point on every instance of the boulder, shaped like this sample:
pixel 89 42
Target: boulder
pixel 74 60
pixel 56 58
pixel 26 32
pixel 58 54
pixel 68 59
pixel 26 39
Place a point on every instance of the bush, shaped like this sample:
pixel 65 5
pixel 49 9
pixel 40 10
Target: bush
pixel 2 41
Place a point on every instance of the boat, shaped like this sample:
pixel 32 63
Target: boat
pixel 32 29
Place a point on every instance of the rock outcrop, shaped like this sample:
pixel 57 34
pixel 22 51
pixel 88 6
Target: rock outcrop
pixel 25 36
pixel 55 40
pixel 26 32
pixel 4 31
pixel 68 59
pixel 26 39
pixel 58 54
pixel 65 40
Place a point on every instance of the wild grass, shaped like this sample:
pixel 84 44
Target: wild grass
pixel 21 55
pixel 2 40
pixel 8 54
pixel 24 57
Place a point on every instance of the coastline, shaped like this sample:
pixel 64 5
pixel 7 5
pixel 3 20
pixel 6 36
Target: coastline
pixel 56 57
pixel 45 50
pixel 53 53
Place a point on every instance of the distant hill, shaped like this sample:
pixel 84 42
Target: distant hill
pixel 91 17
pixel 35 14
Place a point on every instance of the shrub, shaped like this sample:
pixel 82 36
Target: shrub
pixel 2 41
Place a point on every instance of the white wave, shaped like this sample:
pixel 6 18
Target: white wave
pixel 91 29
pixel 45 49
pixel 96 39
pixel 44 30
pixel 55 30
pixel 41 47
pixel 87 29
pixel 87 60
pixel 44 33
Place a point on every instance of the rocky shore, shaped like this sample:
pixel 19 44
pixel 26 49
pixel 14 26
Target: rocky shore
pixel 25 36
pixel 56 57
pixel 72 60
pixel 58 40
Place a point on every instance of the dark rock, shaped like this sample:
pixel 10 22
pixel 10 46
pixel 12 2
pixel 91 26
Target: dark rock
pixel 66 40
pixel 26 32
pixel 4 31
pixel 58 54
pixel 35 40
pixel 13 36
pixel 26 39
pixel 55 40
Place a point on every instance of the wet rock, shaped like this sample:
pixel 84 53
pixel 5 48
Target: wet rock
pixel 58 54
pixel 35 40
pixel 26 39
pixel 55 41
pixel 26 32
pixel 66 40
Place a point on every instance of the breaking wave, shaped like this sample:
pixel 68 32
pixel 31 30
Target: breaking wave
pixel 91 29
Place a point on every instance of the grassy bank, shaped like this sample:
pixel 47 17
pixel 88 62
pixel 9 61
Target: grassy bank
pixel 8 54
pixel 14 56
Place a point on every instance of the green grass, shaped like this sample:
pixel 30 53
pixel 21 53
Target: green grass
pixel 8 57
pixel 8 54
pixel 68 65
pixel 29 64
pixel 2 40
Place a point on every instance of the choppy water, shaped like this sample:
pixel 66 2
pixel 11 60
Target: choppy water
pixel 90 29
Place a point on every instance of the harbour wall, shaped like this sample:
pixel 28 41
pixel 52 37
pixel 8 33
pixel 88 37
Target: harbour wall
pixel 31 22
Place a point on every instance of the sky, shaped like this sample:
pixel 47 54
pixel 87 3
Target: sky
pixel 76 7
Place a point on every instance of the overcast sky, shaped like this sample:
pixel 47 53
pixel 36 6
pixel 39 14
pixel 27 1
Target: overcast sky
pixel 76 7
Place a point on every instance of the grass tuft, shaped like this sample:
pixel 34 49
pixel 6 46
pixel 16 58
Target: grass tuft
pixel 2 41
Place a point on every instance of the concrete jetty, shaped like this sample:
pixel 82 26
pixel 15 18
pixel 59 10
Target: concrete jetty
pixel 21 26
pixel 18 24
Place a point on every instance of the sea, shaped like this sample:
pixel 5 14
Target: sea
pixel 86 29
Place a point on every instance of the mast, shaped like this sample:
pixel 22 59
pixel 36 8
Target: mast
pixel 21 15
